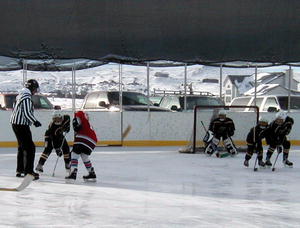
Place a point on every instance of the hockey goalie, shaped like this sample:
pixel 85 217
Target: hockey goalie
pixel 221 128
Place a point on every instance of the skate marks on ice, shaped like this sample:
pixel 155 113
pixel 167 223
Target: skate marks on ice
pixel 157 190
pixel 76 206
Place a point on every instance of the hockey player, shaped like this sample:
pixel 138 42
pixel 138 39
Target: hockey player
pixel 254 142
pixel 277 137
pixel 84 143
pixel 221 127
pixel 55 139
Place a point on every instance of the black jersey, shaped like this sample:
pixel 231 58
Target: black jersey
pixel 222 127
pixel 57 130
pixel 256 134
pixel 277 133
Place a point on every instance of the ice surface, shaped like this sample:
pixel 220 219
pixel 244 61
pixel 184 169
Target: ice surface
pixel 154 187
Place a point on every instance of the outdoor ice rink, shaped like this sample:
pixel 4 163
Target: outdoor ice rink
pixel 154 187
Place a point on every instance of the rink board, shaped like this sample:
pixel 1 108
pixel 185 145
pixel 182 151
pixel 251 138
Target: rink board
pixel 147 129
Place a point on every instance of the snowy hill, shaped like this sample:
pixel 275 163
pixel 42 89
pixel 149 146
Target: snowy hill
pixel 107 77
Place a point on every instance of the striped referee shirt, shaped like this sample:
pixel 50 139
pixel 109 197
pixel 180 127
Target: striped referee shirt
pixel 23 110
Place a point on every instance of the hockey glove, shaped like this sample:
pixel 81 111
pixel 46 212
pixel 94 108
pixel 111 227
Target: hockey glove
pixel 37 123
pixel 58 152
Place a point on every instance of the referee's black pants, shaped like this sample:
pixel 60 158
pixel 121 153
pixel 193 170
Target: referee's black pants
pixel 26 148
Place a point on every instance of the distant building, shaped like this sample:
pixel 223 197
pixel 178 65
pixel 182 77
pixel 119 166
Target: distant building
pixel 267 84
pixel 232 86
pixel 279 78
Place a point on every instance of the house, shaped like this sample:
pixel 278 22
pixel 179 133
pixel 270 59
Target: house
pixel 279 78
pixel 276 83
pixel 232 86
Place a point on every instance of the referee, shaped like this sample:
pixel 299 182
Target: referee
pixel 21 119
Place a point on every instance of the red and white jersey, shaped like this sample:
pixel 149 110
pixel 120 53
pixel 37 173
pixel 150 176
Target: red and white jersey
pixel 86 134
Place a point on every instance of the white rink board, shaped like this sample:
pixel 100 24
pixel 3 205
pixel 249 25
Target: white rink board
pixel 163 126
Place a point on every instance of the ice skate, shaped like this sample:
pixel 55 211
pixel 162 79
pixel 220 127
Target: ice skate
pixel 39 168
pixel 72 177
pixel 91 177
pixel 68 172
pixel 287 163
pixel 35 175
pixel 19 174
pixel 261 164
pixel 268 163
pixel 246 163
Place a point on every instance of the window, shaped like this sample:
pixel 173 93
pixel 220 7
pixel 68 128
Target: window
pixel 227 99
pixel 45 104
pixel 40 102
pixel 295 103
pixel 92 101
pixel 10 100
pixel 228 91
pixel 129 98
pixel 258 103
pixel 270 102
pixel 165 102
pixel 174 101
pixel 206 101
pixel 241 101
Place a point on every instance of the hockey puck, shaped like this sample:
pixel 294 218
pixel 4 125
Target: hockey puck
pixel 255 169
pixel 273 169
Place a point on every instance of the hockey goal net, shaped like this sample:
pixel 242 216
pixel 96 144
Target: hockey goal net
pixel 244 118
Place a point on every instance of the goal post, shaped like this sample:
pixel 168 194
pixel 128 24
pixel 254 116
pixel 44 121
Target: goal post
pixel 244 118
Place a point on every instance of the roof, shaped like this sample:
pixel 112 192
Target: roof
pixel 269 77
pixel 261 89
pixel 265 88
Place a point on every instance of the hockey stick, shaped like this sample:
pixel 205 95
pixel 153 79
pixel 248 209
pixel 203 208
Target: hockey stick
pixel 126 132
pixel 256 159
pixel 273 168
pixel 26 181
pixel 255 168
pixel 206 132
pixel 64 134
pixel 53 173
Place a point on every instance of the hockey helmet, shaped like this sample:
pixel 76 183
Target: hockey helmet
pixel 57 117
pixel 263 122
pixel 32 85
pixel 222 114
pixel 281 115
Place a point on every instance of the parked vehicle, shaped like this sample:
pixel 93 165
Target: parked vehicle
pixel 155 100
pixel 269 103
pixel 109 101
pixel 8 99
pixel 176 102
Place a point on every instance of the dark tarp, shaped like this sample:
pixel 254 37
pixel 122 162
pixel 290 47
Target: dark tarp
pixel 136 31
pixel 9 64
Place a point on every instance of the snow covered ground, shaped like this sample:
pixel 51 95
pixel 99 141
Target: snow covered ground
pixel 154 187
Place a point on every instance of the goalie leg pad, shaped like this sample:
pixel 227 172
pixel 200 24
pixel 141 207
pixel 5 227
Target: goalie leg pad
pixel 212 146
pixel 230 147
pixel 208 137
